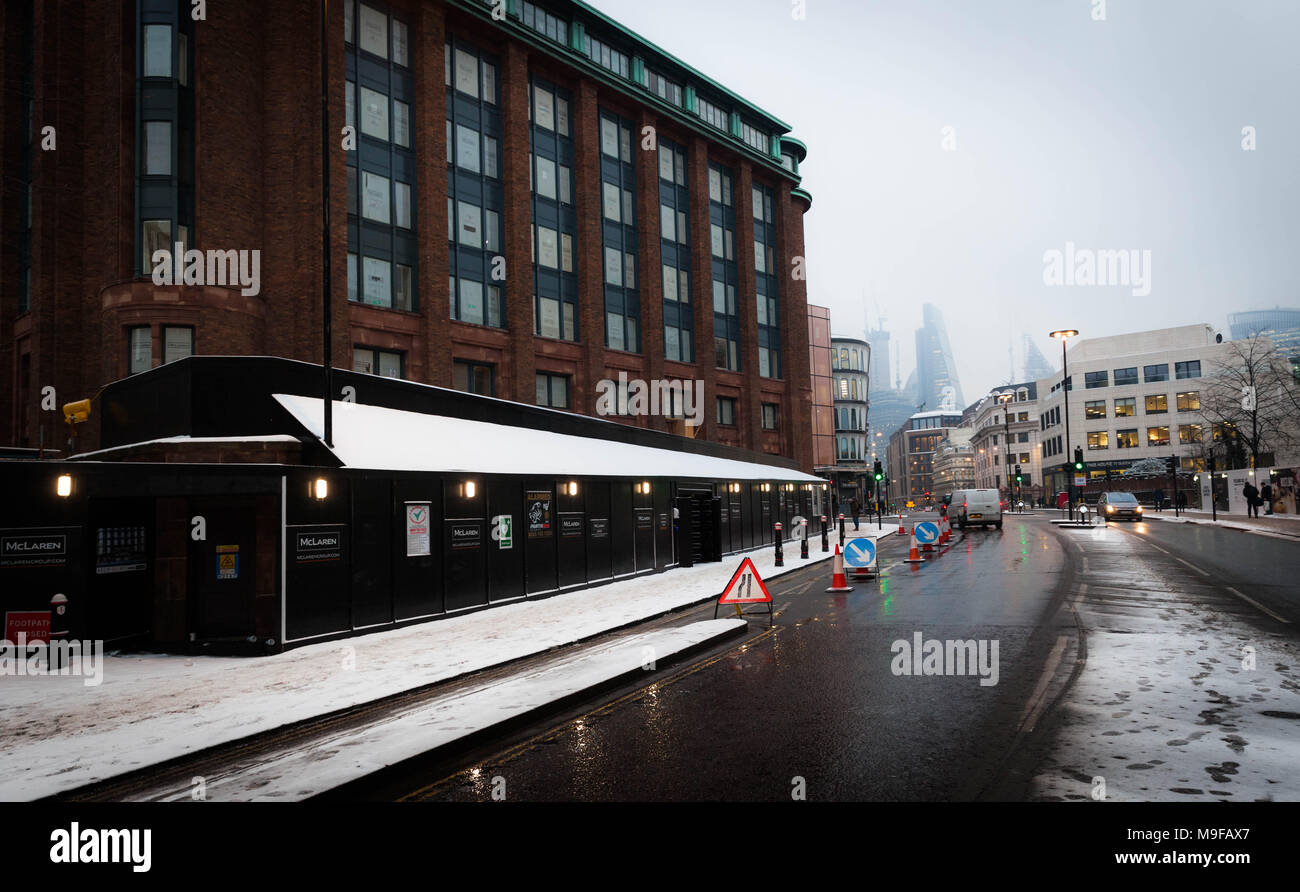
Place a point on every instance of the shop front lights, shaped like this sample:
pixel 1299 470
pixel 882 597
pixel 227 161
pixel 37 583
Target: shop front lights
pixel 468 489
pixel 63 486
pixel 320 489
pixel 572 488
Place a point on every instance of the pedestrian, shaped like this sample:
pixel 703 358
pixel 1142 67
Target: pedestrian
pixel 1181 500
pixel 1267 494
pixel 1159 499
pixel 1252 499
pixel 856 509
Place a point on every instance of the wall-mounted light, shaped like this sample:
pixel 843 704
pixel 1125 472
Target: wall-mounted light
pixel 467 489
pixel 572 487
pixel 320 488
pixel 767 487
pixel 63 486
pixel 733 487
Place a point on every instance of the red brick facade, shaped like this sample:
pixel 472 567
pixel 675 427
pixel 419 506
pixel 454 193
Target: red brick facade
pixel 257 186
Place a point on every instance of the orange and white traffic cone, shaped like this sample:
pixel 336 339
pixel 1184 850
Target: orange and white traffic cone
pixel 914 555
pixel 943 529
pixel 901 531
pixel 838 582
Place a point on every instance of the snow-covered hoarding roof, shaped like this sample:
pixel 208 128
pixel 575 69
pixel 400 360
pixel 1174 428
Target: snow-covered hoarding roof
pixel 378 438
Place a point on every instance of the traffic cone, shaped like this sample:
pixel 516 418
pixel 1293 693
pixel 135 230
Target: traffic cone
pixel 914 556
pixel 901 531
pixel 838 582
pixel 943 529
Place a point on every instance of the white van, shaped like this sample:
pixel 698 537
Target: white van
pixel 976 506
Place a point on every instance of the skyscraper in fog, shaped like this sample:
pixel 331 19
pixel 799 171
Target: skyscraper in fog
pixel 937 385
pixel 1036 364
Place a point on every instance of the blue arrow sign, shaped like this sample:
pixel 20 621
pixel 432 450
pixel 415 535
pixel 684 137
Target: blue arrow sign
pixel 927 532
pixel 860 552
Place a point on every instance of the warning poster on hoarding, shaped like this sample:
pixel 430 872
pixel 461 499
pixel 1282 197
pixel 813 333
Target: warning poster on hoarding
pixel 227 561
pixel 417 529
pixel 538 506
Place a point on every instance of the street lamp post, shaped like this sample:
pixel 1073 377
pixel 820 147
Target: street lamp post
pixel 1064 335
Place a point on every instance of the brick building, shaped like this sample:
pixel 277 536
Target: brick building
pixel 609 208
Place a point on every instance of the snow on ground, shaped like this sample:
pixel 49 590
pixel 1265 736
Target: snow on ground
pixel 62 734
pixel 1166 708
pixel 348 755
pixel 1278 525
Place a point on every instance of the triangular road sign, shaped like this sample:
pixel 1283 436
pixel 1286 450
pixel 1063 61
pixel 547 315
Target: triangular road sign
pixel 746 586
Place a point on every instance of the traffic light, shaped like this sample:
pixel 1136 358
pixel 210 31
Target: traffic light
pixel 1211 464
pixel 1018 475
pixel 879 474
pixel 1078 458
pixel 1171 465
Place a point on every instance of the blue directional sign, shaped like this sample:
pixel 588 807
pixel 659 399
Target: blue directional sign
pixel 927 533
pixel 860 552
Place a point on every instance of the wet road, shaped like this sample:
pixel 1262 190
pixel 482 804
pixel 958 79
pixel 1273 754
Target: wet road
pixel 1263 568
pixel 819 703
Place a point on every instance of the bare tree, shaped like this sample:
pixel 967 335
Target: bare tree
pixel 1250 398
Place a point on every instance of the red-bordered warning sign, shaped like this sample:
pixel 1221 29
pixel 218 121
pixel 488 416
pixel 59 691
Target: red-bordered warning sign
pixel 746 586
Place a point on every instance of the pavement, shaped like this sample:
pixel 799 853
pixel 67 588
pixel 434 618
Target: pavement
pixel 1275 524
pixel 151 709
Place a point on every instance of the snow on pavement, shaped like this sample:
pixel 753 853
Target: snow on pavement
pixel 356 752
pixel 1167 707
pixel 62 734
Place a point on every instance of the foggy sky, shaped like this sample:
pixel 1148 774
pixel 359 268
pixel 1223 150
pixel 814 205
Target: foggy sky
pixel 1116 134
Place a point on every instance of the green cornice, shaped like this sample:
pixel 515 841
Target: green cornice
pixel 687 115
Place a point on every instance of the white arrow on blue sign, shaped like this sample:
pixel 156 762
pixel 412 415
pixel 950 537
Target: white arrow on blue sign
pixel 860 553
pixel 927 532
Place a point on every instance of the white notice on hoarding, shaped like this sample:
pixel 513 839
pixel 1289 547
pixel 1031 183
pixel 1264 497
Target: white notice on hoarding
pixel 417 529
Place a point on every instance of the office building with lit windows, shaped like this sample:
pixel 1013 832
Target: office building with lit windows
pixel 850 364
pixel 608 207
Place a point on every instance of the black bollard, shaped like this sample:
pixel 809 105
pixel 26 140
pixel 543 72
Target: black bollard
pixel 841 531
pixel 826 545
pixel 780 560
pixel 803 547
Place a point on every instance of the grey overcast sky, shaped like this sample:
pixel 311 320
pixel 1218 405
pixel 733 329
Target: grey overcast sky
pixel 1117 134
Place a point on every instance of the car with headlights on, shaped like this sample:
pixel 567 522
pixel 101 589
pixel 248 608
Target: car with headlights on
pixel 1119 506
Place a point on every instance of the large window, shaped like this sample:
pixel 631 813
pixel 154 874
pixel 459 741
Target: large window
pixel 770 416
pixel 1153 373
pixel 1126 407
pixel 1157 404
pixel 606 56
pixel 541 21
pixel 1126 439
pixel 668 90
pixel 1158 436
pixel 164 155
pixel 379 90
pixel 1126 376
pixel 178 342
pixel 1191 369
pixel 722 226
pixel 377 362
pixel 553 390
pixel 475 197
pixel 139 349
pixel 619 235
pixel 1095 379
pixel 712 114
pixel 726 410
pixel 1189 401
pixel 1189 433
pixel 675 253
pixel 765 284
pixel 1094 409
pixel 474 377
pixel 555 225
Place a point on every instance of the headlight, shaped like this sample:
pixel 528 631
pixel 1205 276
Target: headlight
pixel 1139 509
pixel 1110 508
